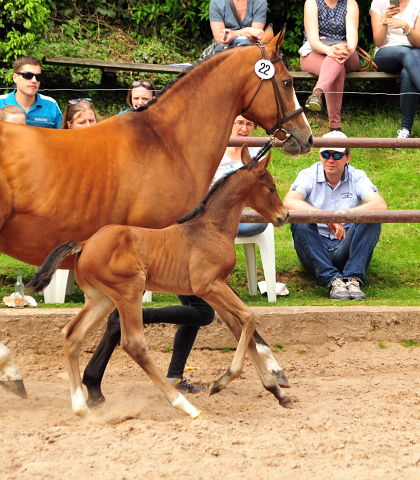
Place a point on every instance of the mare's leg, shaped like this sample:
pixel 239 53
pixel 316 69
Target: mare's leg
pixel 10 376
pixel 95 369
pixel 97 306
pixel 134 344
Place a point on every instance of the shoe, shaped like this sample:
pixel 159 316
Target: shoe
pixel 183 386
pixel 338 290
pixel 404 133
pixel 314 102
pixel 354 290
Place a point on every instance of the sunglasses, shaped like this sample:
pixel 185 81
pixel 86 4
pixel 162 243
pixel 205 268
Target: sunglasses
pixel 30 75
pixel 76 101
pixel 335 155
pixel 143 83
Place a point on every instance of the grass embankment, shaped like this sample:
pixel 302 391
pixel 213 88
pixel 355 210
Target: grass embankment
pixel 393 277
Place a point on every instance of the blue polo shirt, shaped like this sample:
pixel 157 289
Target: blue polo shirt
pixel 44 112
pixel 350 191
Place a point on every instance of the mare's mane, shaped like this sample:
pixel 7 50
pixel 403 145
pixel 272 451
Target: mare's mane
pixel 201 207
pixel 175 80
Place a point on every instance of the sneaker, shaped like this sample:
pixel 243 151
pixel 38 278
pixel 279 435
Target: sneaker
pixel 183 386
pixel 314 102
pixel 338 290
pixel 354 290
pixel 404 133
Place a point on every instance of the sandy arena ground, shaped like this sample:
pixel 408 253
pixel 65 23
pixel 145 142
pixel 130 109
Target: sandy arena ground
pixel 357 416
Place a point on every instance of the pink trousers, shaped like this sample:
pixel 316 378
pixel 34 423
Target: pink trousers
pixel 331 76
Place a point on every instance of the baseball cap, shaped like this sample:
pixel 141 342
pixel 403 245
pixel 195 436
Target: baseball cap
pixel 334 134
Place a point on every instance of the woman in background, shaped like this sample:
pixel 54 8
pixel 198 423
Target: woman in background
pixel 80 113
pixel 329 52
pixel 396 33
pixel 140 93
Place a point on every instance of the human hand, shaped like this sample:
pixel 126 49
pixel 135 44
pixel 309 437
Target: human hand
pixel 257 33
pixel 338 230
pixel 341 52
pixel 229 36
pixel 390 12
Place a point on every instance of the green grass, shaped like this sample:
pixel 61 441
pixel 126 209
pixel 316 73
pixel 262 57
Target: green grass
pixel 409 343
pixel 226 349
pixel 382 344
pixel 393 277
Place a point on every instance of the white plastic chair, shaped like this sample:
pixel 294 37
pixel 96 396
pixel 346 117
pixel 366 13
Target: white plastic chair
pixel 62 284
pixel 265 241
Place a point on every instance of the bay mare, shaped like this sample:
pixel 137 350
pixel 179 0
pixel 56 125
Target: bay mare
pixel 143 168
pixel 118 263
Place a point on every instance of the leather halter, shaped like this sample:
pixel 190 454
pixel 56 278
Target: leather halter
pixel 281 110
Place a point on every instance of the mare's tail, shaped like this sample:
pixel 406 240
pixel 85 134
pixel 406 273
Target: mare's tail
pixel 42 278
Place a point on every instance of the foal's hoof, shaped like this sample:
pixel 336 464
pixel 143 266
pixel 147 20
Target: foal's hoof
pixel 15 386
pixel 286 402
pixel 281 378
pixel 214 388
pixel 95 401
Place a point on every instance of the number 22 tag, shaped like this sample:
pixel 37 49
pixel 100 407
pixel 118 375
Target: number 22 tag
pixel 264 69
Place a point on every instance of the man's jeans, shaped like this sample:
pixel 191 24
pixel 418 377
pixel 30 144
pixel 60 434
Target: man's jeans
pixel 328 259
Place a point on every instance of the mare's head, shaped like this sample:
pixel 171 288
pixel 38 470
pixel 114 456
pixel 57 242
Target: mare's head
pixel 263 196
pixel 270 100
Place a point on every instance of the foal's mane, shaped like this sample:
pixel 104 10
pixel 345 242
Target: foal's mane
pixel 201 207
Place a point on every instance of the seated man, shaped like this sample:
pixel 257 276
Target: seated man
pixel 41 111
pixel 336 254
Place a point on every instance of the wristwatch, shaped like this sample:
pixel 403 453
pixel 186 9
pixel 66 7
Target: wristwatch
pixel 408 33
pixel 383 23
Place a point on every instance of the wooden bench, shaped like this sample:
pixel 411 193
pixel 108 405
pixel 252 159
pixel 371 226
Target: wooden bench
pixel 110 70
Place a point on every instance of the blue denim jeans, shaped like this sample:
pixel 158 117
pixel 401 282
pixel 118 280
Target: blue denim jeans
pixel 250 229
pixel 407 61
pixel 328 259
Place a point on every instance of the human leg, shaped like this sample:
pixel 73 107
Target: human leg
pixel 193 310
pixel 250 229
pixel 313 253
pixel 407 61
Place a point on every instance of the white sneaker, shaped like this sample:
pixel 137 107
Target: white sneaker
pixel 403 133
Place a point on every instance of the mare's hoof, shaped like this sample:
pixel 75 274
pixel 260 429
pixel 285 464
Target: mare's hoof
pixel 200 417
pixel 15 386
pixel 286 402
pixel 281 378
pixel 214 389
pixel 95 401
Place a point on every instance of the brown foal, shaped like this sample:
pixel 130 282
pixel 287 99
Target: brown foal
pixel 194 256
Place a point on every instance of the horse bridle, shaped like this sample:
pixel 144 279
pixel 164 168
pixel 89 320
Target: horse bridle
pixel 281 110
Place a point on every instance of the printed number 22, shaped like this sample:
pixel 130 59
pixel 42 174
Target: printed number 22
pixel 265 68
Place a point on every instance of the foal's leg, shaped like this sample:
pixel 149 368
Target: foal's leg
pixel 222 298
pixel 97 307
pixel 10 376
pixel 269 382
pixel 133 343
pixel 95 369
pixel 270 362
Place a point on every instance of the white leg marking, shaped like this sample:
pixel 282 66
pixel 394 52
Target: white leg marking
pixel 181 403
pixel 78 403
pixel 269 360
pixel 8 368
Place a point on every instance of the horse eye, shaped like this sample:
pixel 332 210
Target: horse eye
pixel 273 189
pixel 288 83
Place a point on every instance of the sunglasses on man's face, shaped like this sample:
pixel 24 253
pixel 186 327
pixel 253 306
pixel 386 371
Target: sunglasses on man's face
pixel 76 101
pixel 30 75
pixel 335 155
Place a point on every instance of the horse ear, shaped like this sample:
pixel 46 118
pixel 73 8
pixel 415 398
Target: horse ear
pixel 268 34
pixel 245 155
pixel 265 162
pixel 274 46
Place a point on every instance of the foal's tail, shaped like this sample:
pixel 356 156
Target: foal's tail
pixel 42 278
